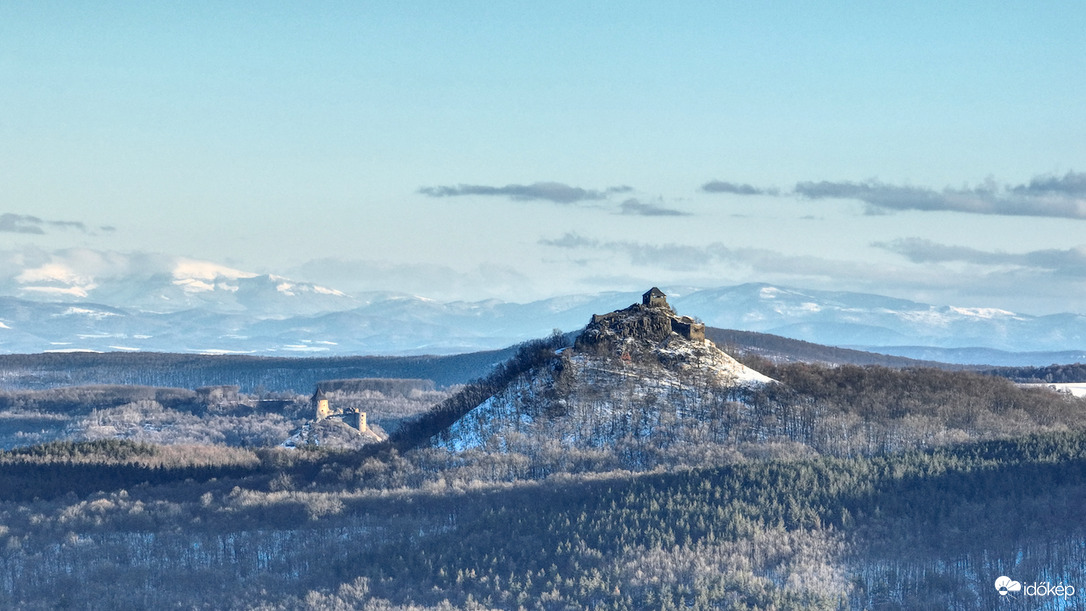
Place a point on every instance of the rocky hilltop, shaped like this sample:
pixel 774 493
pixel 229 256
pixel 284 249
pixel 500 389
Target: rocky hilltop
pixel 652 337
pixel 632 375
pixel 636 328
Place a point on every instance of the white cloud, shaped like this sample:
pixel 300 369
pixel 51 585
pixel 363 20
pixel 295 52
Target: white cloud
pixel 56 272
pixel 186 269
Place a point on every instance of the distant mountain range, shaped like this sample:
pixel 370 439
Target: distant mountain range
pixel 200 307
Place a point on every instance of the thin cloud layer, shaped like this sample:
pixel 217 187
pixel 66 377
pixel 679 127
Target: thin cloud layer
pixel 18 223
pixel 558 193
pixel 435 281
pixel 637 207
pixel 720 186
pixel 1069 263
pixel 571 240
pixel 25 223
pixel 73 272
pixel 920 250
pixel 1045 196
pixel 1031 287
pixel 29 224
pixel 555 192
pixel 1071 184
pixel 685 258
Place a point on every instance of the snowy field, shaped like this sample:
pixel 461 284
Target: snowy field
pixel 1077 389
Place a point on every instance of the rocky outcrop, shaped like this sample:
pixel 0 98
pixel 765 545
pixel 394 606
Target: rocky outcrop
pixel 636 328
pixel 636 331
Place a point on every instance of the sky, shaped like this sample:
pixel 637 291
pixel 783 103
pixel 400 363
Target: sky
pixel 468 150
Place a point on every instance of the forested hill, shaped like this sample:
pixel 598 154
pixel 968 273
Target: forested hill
pixel 299 374
pixel 751 346
pixel 1053 374
pixel 294 374
pixel 778 348
pixel 252 373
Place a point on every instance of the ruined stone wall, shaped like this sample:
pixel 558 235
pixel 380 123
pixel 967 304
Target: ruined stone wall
pixel 688 328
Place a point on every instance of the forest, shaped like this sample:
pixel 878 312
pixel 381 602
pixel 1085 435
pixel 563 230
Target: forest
pixel 839 487
pixel 252 374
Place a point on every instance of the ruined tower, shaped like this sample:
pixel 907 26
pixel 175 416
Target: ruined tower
pixel 356 419
pixel 654 298
pixel 320 404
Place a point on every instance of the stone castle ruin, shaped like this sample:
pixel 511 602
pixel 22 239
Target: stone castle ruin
pixel 652 321
pixel 350 416
pixel 347 401
pixel 683 325
pixel 688 328
pixel 219 397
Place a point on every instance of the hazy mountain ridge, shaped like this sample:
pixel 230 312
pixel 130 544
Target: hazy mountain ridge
pixel 866 320
pixel 274 316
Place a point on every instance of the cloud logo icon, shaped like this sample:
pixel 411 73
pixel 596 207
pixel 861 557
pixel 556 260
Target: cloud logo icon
pixel 1005 585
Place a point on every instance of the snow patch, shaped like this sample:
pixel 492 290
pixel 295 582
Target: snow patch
pixel 925 318
pixel 192 285
pixel 303 348
pixel 292 289
pixel 1077 389
pixel 192 269
pixel 987 313
pixel 52 272
pixel 327 291
pixel 88 313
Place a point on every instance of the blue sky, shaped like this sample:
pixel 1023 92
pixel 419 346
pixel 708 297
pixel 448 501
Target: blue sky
pixel 462 150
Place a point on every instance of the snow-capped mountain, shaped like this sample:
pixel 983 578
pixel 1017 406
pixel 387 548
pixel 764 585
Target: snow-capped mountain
pixel 179 305
pixel 163 284
pixel 865 320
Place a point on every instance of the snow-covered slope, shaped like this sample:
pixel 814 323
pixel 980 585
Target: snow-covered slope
pixel 629 376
